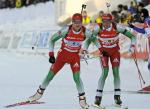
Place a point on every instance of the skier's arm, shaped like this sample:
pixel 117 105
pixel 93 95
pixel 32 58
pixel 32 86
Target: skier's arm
pixel 90 37
pixel 94 39
pixel 87 41
pixel 126 33
pixel 60 34
pixel 140 30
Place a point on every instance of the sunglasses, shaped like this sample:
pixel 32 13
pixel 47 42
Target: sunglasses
pixel 106 21
pixel 77 22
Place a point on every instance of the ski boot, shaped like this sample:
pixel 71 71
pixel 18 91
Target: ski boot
pixel 37 95
pixel 82 102
pixel 97 100
pixel 117 99
pixel 97 103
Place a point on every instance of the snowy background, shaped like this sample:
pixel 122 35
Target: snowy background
pixel 21 74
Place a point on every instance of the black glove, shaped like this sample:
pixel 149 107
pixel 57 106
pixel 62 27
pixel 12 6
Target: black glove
pixel 52 59
pixel 104 53
pixel 131 25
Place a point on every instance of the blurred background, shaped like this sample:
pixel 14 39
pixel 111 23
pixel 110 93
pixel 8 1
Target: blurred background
pixel 27 24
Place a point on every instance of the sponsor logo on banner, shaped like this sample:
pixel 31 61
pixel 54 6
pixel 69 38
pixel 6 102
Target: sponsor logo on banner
pixel 43 39
pixel 38 39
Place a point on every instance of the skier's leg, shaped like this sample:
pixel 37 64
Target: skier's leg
pixel 101 81
pixel 116 80
pixel 80 88
pixel 78 82
pixel 54 69
pixel 75 66
pixel 117 86
pixel 115 61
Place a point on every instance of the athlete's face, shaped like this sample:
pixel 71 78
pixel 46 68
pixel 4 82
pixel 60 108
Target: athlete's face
pixel 106 24
pixel 77 25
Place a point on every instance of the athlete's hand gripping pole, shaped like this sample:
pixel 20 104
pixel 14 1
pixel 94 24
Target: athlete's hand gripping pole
pixel 83 7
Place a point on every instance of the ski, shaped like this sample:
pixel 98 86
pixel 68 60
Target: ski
pixel 84 108
pixel 110 106
pixel 119 106
pixel 129 92
pixel 98 107
pixel 22 103
pixel 143 92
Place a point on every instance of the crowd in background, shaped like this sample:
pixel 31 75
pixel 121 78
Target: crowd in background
pixel 19 3
pixel 124 13
pixel 131 13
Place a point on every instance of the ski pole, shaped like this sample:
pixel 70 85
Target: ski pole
pixel 139 72
pixel 85 57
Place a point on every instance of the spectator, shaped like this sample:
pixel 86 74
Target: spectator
pixel 124 10
pixel 2 4
pixel 36 1
pixel 132 9
pixel 123 18
pixel 18 3
pixel 99 18
pixel 24 3
pixel 140 6
pixel 116 17
pixel 85 18
pixel 120 8
pixel 138 13
pixel 12 3
pixel 28 2
pixel 9 3
pixel 126 16
pixel 144 14
pixel 145 2
pixel 138 1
